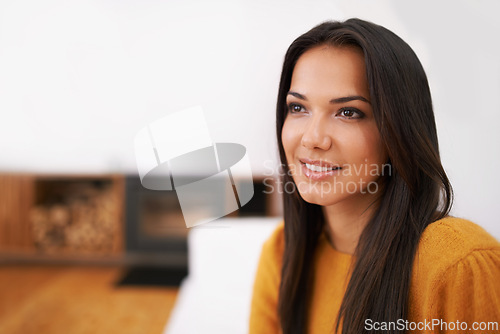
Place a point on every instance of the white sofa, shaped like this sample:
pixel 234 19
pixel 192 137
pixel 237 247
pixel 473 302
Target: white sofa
pixel 223 256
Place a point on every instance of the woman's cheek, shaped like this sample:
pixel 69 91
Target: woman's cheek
pixel 289 137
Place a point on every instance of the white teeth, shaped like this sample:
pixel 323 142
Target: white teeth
pixel 315 168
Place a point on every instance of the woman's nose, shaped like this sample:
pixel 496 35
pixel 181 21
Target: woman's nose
pixel 316 134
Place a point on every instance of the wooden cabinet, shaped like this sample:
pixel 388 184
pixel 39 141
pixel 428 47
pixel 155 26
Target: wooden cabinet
pixel 16 200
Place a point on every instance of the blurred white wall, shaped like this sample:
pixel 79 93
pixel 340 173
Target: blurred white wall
pixel 78 79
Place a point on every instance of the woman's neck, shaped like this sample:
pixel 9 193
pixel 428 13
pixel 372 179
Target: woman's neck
pixel 345 221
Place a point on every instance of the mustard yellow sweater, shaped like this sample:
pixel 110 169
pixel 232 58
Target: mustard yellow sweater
pixel 456 277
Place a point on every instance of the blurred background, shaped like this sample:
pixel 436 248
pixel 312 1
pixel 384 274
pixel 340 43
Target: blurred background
pixel 78 80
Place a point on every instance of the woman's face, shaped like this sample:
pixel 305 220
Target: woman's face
pixel 331 142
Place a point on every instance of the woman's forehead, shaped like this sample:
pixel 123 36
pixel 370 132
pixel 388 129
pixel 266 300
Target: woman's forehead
pixel 330 71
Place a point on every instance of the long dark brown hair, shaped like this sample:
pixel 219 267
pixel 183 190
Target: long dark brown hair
pixel 416 193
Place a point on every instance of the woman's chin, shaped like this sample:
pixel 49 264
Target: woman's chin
pixel 320 198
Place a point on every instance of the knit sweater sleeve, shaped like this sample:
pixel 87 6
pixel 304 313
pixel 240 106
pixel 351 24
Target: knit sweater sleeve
pixel 264 313
pixel 457 280
pixel 469 293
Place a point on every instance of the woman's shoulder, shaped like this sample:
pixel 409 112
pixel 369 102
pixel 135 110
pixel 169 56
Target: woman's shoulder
pixel 452 241
pixel 275 243
pixel 263 315
pixel 457 236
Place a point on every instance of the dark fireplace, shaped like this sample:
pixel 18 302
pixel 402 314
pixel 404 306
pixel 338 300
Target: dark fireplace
pixel 155 233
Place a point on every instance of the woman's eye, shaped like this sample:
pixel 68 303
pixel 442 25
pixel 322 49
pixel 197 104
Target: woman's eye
pixel 350 113
pixel 295 108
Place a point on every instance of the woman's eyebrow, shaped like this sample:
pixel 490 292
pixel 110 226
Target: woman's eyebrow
pixel 297 95
pixel 337 100
pixel 349 98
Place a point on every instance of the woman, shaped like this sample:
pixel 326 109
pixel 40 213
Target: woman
pixel 367 244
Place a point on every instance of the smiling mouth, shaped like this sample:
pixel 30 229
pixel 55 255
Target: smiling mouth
pixel 320 169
